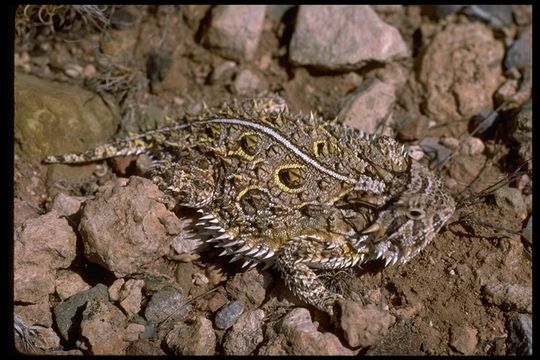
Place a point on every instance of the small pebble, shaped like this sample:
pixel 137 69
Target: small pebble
pixel 228 314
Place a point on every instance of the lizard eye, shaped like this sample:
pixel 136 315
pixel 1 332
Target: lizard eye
pixel 415 214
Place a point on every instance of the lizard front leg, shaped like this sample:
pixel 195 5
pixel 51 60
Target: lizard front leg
pixel 302 254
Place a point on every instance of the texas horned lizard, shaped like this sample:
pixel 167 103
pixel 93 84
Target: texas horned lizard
pixel 292 190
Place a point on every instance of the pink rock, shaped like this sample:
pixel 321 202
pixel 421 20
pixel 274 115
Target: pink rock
pixel 102 328
pixel 126 228
pixel 364 326
pixel 42 245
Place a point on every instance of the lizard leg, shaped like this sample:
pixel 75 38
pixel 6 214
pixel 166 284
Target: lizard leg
pixel 302 254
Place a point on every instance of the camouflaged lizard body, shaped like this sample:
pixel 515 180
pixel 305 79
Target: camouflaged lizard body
pixel 292 190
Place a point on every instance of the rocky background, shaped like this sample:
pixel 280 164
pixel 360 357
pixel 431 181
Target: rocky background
pixel 102 267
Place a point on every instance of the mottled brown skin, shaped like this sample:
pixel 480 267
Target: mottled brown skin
pixel 292 190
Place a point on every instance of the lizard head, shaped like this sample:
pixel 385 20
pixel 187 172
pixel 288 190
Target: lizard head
pixel 411 222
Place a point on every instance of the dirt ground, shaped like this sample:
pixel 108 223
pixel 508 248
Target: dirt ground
pixel 445 301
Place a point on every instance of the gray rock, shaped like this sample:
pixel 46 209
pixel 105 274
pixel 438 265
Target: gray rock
pixel 165 303
pixel 235 30
pixel 126 228
pixel 245 335
pixel 67 314
pixel 433 147
pixel 519 341
pixel 228 314
pixel 353 36
pixel 497 16
pixel 527 231
pixel 192 338
pixel 442 11
pixel 54 118
pixel 519 54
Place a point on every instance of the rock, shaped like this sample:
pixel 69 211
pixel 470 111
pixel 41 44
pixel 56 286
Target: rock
pixel 509 296
pixel 222 71
pixel 353 36
pixel 42 245
pixel 465 168
pixel 461 71
pixel 442 11
pixel 387 8
pixel 249 287
pixel 144 347
pixel 473 146
pixel 276 12
pixel 228 314
pixel 413 128
pixel 519 341
pixel 415 152
pixel 301 337
pixel 69 283
pixel 66 205
pixel 368 107
pixel 522 14
pixel 193 338
pixel 67 313
pixel 184 276
pixel 519 54
pixel 165 303
pixel 436 147
pixel 527 231
pixel 131 296
pixel 217 300
pixel 246 82
pixel 245 335
pixel 125 227
pixel 55 118
pixel 22 211
pixel 235 30
pixel 133 331
pixel 119 43
pixel 36 314
pixel 463 339
pixel 498 16
pixel 102 328
pixel 114 289
pixel 363 326
pixel 510 200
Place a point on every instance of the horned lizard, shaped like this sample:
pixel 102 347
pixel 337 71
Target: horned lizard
pixel 292 190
